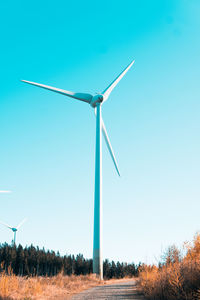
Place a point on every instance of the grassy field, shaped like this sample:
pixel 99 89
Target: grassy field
pixel 58 287
pixel 177 278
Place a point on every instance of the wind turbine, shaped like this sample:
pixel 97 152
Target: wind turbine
pixel 14 229
pixel 96 102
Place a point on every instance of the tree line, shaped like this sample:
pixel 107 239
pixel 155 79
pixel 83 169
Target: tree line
pixel 33 261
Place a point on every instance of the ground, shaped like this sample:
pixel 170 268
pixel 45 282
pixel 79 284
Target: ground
pixel 124 290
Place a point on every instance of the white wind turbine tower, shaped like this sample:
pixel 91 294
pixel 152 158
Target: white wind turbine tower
pixel 96 102
pixel 14 229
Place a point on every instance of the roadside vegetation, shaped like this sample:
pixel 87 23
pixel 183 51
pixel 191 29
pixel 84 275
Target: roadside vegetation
pixel 177 277
pixel 14 287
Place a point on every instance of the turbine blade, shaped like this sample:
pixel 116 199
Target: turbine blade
pixel 80 96
pixel 21 223
pixel 109 89
pixel 5 224
pixel 109 146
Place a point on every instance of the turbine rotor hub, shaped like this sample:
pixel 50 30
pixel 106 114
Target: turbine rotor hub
pixel 96 99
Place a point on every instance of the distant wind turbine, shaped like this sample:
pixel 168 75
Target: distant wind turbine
pixel 95 101
pixel 14 229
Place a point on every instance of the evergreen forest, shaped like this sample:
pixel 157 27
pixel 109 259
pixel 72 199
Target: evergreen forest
pixel 33 261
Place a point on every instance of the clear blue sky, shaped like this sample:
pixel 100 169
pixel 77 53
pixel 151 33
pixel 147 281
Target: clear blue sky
pixel 152 116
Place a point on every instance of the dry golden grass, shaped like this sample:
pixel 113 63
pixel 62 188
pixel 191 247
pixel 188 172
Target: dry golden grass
pixel 58 287
pixel 178 278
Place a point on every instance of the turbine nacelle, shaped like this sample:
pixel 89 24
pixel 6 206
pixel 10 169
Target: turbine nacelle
pixel 14 229
pixel 96 99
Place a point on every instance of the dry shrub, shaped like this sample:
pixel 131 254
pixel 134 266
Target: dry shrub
pixel 178 278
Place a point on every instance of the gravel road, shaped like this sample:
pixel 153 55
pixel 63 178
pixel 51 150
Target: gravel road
pixel 123 290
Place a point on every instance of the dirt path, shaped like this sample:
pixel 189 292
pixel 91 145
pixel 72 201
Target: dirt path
pixel 125 290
